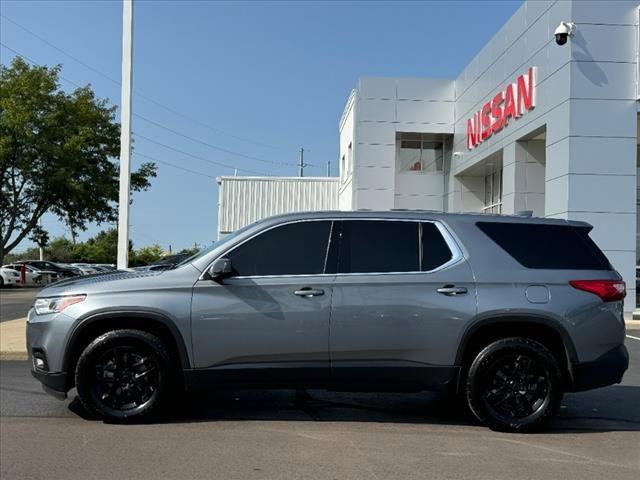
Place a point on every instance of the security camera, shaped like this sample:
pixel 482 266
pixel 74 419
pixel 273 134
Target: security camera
pixel 564 31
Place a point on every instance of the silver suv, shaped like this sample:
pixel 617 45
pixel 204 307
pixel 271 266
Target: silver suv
pixel 506 312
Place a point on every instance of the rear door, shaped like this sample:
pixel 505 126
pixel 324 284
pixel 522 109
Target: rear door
pixel 402 294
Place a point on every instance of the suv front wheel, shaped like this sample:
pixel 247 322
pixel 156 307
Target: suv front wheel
pixel 514 384
pixel 123 375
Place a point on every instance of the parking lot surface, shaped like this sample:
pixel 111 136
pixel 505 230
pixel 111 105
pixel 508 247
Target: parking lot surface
pixel 268 435
pixel 15 302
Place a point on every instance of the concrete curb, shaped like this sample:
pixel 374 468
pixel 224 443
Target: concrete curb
pixel 13 341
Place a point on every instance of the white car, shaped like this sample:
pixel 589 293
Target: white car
pixel 34 276
pixel 9 277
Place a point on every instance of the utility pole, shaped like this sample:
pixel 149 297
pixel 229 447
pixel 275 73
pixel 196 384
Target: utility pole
pixel 328 168
pixel 301 164
pixel 125 134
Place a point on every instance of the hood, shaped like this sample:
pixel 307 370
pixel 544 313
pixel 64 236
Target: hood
pixel 100 281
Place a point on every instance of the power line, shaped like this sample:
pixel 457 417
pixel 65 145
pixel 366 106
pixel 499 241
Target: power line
pixel 215 147
pixel 149 99
pixel 226 165
pixel 38 64
pixel 183 135
pixel 138 154
pixel 213 162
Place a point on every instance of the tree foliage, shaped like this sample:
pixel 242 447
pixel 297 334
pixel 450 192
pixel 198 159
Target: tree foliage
pixel 57 153
pixel 148 255
pixel 102 248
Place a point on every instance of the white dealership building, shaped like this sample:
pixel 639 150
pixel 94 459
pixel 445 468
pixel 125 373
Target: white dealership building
pixel 529 125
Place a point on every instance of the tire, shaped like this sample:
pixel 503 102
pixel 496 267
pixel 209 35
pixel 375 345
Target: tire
pixel 124 375
pixel 514 385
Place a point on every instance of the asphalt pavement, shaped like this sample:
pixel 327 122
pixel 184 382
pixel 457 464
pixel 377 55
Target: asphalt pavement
pixel 15 302
pixel 268 435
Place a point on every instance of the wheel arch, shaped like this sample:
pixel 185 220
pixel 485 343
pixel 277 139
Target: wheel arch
pixel 538 327
pixel 91 326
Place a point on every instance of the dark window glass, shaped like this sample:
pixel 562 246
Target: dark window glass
pixel 369 246
pixel 435 251
pixel 293 249
pixel 560 247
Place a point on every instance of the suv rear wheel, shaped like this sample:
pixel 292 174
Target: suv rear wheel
pixel 123 375
pixel 514 384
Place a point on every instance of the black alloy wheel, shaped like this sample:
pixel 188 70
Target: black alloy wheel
pixel 126 378
pixel 123 375
pixel 514 384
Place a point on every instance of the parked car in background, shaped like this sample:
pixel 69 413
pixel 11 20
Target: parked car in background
pixel 61 271
pixel 100 268
pixel 506 312
pixel 33 275
pixel 86 268
pixel 107 267
pixel 164 263
pixel 9 277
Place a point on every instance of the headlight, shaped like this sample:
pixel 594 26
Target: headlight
pixel 56 304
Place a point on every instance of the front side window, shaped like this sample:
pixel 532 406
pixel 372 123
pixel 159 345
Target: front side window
pixel 293 249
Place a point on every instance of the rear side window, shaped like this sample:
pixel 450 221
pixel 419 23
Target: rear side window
pixel 435 251
pixel 555 247
pixel 384 246
pixel 378 246
pixel 293 249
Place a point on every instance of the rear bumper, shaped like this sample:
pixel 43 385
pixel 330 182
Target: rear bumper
pixel 605 370
pixel 55 384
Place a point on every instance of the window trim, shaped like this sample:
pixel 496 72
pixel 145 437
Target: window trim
pixel 456 251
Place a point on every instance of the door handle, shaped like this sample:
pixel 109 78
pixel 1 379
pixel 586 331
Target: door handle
pixel 308 292
pixel 452 290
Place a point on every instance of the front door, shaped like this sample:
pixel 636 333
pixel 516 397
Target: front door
pixel 269 322
pixel 402 295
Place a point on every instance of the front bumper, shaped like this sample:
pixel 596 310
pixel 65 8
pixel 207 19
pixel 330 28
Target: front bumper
pixel 604 370
pixel 46 337
pixel 55 384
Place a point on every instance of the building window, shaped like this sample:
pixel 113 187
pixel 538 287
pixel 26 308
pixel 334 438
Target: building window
pixel 349 160
pixel 418 152
pixel 343 170
pixel 493 192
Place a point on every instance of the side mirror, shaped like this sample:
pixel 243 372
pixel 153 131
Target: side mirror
pixel 220 269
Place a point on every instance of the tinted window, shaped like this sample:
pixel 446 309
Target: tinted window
pixel 293 249
pixel 369 246
pixel 547 246
pixel 435 251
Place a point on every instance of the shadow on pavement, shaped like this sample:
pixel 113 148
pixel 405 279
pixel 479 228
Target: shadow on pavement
pixel 614 408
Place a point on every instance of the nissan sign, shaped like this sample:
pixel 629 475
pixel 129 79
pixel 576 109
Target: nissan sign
pixel 519 97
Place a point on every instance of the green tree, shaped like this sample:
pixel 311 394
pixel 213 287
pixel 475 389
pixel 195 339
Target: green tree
pixel 147 255
pixel 57 153
pixel 60 249
pixel 103 248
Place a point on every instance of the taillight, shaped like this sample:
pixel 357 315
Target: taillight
pixel 607 290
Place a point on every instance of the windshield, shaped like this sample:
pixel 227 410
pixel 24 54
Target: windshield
pixel 214 245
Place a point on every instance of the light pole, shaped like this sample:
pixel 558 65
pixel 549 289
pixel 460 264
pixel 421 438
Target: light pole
pixel 125 134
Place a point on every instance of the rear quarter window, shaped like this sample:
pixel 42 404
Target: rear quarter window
pixel 555 247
